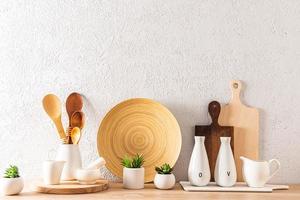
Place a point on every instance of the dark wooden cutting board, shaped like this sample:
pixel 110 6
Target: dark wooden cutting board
pixel 212 134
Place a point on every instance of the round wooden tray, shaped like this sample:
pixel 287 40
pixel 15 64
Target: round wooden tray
pixel 71 187
pixel 139 126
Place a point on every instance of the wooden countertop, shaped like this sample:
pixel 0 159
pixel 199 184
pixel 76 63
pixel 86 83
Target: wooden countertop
pixel 116 192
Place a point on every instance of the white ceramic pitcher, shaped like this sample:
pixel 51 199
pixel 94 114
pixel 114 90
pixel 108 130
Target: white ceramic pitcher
pixel 258 173
pixel 71 154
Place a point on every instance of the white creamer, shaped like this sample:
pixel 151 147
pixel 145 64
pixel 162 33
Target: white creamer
pixel 258 173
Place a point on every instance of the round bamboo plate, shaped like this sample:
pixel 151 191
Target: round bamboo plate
pixel 71 187
pixel 139 126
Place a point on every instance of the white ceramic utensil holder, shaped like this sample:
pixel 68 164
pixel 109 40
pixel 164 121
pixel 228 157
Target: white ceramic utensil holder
pixel 133 178
pixel 199 172
pixel 164 181
pixel 225 170
pixel 71 154
pixel 11 186
pixel 258 173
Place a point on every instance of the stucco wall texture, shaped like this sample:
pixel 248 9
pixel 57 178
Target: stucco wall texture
pixel 180 53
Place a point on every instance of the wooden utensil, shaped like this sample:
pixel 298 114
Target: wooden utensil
pixel 212 134
pixel 71 187
pixel 139 126
pixel 74 103
pixel 75 135
pixel 246 126
pixel 78 119
pixel 52 106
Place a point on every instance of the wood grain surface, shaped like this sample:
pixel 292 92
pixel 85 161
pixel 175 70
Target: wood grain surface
pixel 246 126
pixel 116 192
pixel 71 187
pixel 139 126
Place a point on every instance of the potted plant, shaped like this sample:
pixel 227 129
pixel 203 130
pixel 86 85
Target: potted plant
pixel 133 172
pixel 12 183
pixel 164 179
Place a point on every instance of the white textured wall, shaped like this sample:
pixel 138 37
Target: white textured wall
pixel 181 53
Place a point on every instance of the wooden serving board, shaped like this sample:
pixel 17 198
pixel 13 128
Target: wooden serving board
pixel 246 127
pixel 238 187
pixel 71 187
pixel 212 134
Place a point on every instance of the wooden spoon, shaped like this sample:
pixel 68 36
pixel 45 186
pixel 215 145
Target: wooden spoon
pixel 52 106
pixel 75 135
pixel 74 103
pixel 78 119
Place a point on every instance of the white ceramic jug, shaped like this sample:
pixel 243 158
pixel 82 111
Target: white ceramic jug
pixel 225 170
pixel 199 172
pixel 71 154
pixel 258 173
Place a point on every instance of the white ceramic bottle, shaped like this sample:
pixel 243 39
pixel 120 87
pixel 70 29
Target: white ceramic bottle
pixel 225 170
pixel 199 172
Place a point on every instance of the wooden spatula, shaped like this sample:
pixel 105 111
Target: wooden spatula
pixel 52 106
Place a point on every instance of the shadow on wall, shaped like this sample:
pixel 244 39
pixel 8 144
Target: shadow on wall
pixel 187 118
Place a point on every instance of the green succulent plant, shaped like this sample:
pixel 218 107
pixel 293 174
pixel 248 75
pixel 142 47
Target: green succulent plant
pixel 12 172
pixel 164 169
pixel 136 161
pixel 126 162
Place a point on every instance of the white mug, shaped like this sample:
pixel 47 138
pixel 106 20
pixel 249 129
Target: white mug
pixel 258 173
pixel 52 170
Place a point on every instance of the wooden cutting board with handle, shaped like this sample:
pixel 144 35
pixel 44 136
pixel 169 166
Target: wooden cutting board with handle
pixel 212 134
pixel 246 126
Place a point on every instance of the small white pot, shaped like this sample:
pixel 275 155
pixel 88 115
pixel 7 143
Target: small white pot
pixel 133 178
pixel 11 186
pixel 164 181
